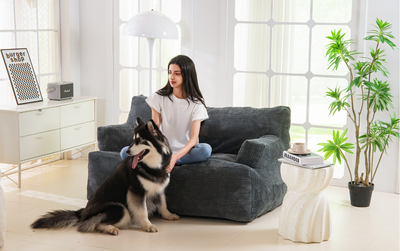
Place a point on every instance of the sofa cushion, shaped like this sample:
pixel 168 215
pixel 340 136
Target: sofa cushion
pixel 114 137
pixel 261 152
pixel 139 108
pixel 227 128
pixel 213 188
pixel 224 156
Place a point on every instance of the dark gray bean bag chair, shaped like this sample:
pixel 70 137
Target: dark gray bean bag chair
pixel 240 181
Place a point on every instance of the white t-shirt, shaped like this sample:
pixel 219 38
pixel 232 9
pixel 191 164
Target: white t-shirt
pixel 177 117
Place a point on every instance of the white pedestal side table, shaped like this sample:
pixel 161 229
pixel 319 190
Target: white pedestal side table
pixel 305 214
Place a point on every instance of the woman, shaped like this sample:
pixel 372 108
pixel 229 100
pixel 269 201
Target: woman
pixel 178 109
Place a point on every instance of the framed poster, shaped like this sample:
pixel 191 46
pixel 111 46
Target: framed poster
pixel 22 76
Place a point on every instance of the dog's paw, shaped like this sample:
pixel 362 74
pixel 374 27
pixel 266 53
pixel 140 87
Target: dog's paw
pixel 150 228
pixel 171 217
pixel 111 230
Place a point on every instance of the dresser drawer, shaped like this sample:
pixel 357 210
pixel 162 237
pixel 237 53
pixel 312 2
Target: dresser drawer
pixel 77 135
pixel 39 121
pixel 36 145
pixel 77 113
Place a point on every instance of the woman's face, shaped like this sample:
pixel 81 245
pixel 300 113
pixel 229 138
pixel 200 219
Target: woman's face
pixel 175 76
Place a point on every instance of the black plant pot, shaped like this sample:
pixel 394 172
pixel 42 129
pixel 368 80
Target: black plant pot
pixel 360 196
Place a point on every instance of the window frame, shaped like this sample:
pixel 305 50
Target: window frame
pixel 231 71
pixel 8 96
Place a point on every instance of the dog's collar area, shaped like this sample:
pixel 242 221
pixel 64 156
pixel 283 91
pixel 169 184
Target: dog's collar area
pixel 139 157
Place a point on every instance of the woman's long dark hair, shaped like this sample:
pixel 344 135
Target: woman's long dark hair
pixel 190 85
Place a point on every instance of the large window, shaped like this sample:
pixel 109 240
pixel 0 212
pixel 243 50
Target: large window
pixel 31 24
pixel 279 59
pixel 132 73
pixel 275 56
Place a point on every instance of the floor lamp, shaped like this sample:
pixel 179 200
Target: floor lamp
pixel 151 25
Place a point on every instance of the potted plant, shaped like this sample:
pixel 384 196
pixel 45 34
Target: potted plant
pixel 374 96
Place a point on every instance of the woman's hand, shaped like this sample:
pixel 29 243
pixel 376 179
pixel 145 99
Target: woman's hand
pixel 174 159
pixel 194 135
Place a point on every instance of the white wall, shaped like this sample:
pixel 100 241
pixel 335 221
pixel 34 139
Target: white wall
pixel 96 55
pixel 208 36
pixel 70 43
pixel 387 177
pixel 204 36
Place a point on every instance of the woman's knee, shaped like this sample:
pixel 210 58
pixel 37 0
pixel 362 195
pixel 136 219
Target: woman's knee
pixel 199 153
pixel 205 150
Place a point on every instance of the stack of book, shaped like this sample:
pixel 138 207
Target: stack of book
pixel 311 160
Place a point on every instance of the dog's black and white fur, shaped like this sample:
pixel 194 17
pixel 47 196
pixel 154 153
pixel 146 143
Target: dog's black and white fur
pixel 127 197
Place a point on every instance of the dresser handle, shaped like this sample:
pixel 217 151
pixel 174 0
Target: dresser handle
pixel 41 137
pixel 77 128
pixel 77 106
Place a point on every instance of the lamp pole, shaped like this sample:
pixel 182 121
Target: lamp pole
pixel 150 41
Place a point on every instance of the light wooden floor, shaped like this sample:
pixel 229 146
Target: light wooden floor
pixel 62 185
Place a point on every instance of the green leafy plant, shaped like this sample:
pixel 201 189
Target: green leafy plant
pixel 336 147
pixel 374 97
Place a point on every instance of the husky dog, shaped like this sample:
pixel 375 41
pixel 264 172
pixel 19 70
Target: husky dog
pixel 133 191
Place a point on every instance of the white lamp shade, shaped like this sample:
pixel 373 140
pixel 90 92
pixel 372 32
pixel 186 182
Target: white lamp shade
pixel 151 24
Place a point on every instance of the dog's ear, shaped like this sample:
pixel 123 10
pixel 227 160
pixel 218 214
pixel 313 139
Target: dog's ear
pixel 154 124
pixel 139 122
pixel 152 127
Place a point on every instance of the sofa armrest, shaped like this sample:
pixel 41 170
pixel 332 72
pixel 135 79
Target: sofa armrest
pixel 101 164
pixel 114 137
pixel 261 152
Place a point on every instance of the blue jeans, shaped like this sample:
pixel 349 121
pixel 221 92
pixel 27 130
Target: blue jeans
pixel 199 153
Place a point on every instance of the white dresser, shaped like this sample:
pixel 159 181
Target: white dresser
pixel 36 130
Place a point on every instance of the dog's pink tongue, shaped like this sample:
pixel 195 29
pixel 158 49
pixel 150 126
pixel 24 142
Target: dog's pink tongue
pixel 135 161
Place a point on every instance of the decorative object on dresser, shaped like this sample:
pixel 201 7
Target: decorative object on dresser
pixel 60 90
pixel 22 76
pixel 374 97
pixel 38 130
